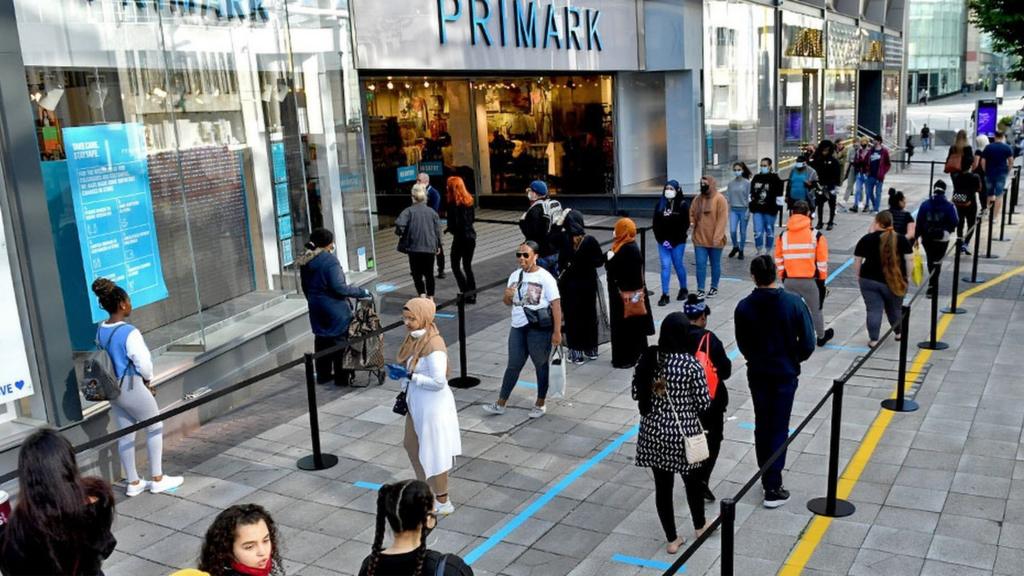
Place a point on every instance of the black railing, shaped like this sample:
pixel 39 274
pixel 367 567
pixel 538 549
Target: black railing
pixel 830 505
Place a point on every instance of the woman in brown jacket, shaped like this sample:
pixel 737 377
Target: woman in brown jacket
pixel 709 214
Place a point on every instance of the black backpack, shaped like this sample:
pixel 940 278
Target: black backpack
pixel 99 378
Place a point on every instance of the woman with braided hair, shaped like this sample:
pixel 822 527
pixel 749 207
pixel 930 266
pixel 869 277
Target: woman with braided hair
pixel 408 507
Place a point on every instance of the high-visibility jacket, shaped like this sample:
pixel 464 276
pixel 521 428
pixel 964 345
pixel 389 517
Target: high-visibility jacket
pixel 801 252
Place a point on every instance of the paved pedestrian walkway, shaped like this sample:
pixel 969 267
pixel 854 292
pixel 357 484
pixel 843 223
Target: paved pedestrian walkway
pixel 938 491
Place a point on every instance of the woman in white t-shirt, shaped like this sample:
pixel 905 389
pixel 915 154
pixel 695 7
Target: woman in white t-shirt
pixel 532 293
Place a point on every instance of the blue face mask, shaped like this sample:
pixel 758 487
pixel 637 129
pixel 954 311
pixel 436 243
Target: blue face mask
pixel 799 165
pixel 737 173
pixel 765 169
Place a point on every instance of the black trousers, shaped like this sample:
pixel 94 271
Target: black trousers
pixel 967 217
pixel 330 368
pixel 714 426
pixel 829 197
pixel 462 264
pixel 421 266
pixel 934 251
pixel 663 484
pixel 773 405
pixel 440 259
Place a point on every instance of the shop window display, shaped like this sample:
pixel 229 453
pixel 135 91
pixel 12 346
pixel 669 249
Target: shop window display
pixel 555 128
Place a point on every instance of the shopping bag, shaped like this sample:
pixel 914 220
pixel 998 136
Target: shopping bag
pixel 556 373
pixel 917 275
pixel 604 328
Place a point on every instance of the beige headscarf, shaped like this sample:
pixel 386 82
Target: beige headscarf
pixel 423 310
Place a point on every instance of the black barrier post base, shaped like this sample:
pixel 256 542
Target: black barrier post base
pixel 463 380
pixel 831 505
pixel 317 460
pixel 900 402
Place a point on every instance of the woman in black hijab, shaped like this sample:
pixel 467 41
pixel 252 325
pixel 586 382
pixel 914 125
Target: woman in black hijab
pixel 672 391
pixel 579 258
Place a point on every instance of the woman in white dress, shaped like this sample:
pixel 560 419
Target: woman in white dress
pixel 432 425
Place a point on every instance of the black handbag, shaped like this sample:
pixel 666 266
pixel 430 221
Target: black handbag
pixel 401 407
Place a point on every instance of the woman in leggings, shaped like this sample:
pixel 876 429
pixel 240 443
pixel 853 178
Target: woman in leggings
pixel 133 367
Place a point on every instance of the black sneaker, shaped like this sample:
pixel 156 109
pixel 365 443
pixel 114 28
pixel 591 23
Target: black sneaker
pixel 740 255
pixel 830 226
pixel 734 252
pixel 818 226
pixel 713 292
pixel 664 300
pixel 700 294
pixel 854 210
pixel 775 498
pixel 709 496
pixel 683 293
pixel 828 335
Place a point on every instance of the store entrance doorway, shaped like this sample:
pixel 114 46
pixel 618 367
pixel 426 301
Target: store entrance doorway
pixel 801 109
pixel 869 101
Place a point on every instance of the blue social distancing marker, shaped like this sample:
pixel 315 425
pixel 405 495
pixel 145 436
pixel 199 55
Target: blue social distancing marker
pixel 835 273
pixel 644 562
pixel 444 315
pixel 550 495
pixel 367 485
pixel 858 349
pixel 750 426
pixel 384 288
pixel 527 384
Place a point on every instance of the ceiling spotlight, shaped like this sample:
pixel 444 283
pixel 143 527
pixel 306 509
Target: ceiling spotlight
pixel 426 84
pixel 391 85
pixel 371 87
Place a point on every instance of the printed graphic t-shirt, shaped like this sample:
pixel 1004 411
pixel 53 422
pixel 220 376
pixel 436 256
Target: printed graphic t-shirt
pixel 538 290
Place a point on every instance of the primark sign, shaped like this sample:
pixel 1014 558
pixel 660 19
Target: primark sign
pixel 242 10
pixel 497 35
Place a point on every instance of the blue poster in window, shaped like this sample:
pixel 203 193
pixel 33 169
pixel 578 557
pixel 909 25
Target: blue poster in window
pixel 406 174
pixel 277 161
pixel 281 195
pixel 284 227
pixel 109 175
pixel 432 168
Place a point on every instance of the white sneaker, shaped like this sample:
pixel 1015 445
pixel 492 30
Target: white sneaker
pixel 132 490
pixel 494 408
pixel 167 483
pixel 538 411
pixel 443 508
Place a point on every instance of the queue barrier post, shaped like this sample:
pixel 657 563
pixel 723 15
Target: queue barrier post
pixel 831 505
pixel 317 460
pixel 931 178
pixel 933 338
pixel 954 299
pixel 728 513
pixel 973 278
pixel 991 231
pixel 1002 223
pixel 463 380
pixel 900 403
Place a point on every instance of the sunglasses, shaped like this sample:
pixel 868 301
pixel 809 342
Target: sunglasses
pixel 523 254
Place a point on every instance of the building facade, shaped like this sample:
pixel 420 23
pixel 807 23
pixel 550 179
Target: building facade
pixel 186 149
pixel 936 47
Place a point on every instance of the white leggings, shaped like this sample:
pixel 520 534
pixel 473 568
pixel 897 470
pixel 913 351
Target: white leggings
pixel 135 404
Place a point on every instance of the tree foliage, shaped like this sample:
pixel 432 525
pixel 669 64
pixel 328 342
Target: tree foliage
pixel 1003 20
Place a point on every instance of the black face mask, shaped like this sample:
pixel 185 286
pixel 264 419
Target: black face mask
pixel 704 188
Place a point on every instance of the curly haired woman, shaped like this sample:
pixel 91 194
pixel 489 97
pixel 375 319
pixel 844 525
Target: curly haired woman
pixel 242 541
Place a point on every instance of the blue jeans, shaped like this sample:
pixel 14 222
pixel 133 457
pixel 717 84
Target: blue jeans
pixel 704 254
pixel 875 192
pixel 772 397
pixel 522 343
pixel 995 185
pixel 549 263
pixel 862 181
pixel 764 231
pixel 672 257
pixel 738 227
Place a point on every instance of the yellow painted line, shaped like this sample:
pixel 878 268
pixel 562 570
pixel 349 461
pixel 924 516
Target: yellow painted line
pixel 815 531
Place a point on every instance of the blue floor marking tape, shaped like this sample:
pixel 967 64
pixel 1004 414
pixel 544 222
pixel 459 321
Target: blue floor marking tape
pixel 733 354
pixel 858 349
pixel 526 384
pixel 750 426
pixel 444 315
pixel 548 496
pixel 367 485
pixel 835 273
pixel 645 563
pixel 385 287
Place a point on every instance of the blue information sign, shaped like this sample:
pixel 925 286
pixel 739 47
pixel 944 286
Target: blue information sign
pixel 432 168
pixel 281 194
pixel 109 176
pixel 277 161
pixel 406 174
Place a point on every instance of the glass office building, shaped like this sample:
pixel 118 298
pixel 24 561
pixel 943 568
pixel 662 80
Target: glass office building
pixel 937 40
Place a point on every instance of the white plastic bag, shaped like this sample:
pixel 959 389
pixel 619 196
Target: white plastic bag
pixel 556 373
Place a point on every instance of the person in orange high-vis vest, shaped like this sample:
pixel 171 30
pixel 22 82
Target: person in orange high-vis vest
pixel 801 258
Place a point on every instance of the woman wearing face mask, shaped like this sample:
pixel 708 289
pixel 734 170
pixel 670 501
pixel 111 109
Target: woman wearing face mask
pixel 766 192
pixel 406 508
pixel 578 261
pixel 738 194
pixel 432 425
pixel 860 168
pixel 532 292
pixel 671 223
pixel 327 293
pixel 827 167
pixel 133 366
pixel 242 541
pixel 709 215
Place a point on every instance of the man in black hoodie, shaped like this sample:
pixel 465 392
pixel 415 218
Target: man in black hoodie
pixel 775 334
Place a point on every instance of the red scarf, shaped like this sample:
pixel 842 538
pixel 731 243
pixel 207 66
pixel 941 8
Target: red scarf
pixel 247 571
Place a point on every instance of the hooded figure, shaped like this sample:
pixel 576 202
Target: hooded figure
pixel 579 259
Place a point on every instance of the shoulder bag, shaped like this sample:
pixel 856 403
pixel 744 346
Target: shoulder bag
pixel 696 446
pixel 633 302
pixel 954 163
pixel 704 357
pixel 539 318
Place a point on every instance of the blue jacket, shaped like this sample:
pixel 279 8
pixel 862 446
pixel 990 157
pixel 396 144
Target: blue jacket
pixel 327 292
pixel 434 199
pixel 936 218
pixel 774 332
